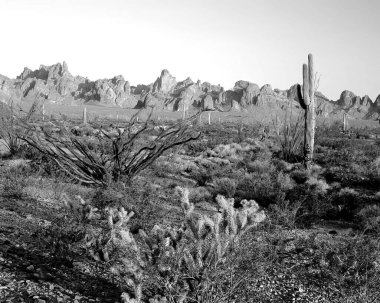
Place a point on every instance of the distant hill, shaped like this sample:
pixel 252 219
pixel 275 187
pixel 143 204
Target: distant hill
pixel 56 84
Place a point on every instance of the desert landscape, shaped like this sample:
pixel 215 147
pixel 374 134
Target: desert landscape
pixel 184 191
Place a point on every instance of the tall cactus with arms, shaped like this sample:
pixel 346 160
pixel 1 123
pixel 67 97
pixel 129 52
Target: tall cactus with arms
pixel 306 97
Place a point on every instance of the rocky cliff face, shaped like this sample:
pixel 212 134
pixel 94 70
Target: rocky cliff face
pixel 56 84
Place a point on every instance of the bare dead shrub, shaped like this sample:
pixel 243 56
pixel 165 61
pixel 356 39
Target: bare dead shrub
pixel 129 151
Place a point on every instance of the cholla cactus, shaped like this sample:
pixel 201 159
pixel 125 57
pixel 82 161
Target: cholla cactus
pixel 205 241
pixel 84 212
pixel 179 258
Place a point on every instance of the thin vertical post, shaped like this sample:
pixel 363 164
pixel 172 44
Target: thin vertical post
pixel 85 115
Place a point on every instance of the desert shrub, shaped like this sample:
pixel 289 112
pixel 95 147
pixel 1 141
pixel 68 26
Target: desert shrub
pixel 107 197
pixel 28 152
pixel 317 184
pixel 375 167
pixel 265 188
pixel 347 201
pixel 11 130
pixel 351 263
pixel 300 175
pixel 225 187
pixel 14 181
pixel 202 176
pixel 291 138
pixel 325 131
pixel 259 166
pixel 282 165
pixel 199 195
pixel 59 239
pixel 45 166
pixel 374 173
pixel 284 213
pixel 347 176
pixel 148 204
pixel 196 148
pixel 130 153
pixel 312 202
pixel 368 218
pixel 233 152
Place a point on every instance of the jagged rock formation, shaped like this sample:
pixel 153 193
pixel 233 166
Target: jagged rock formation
pixel 374 110
pixel 348 99
pixel 266 95
pixel 56 84
pixel 165 83
pixel 8 89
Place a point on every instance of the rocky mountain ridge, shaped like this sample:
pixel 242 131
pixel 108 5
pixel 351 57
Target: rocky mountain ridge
pixel 56 84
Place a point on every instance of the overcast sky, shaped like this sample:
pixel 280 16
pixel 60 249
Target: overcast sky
pixel 219 41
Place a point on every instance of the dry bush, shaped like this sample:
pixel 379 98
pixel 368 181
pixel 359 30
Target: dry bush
pixel 13 183
pixel 11 130
pixel 368 218
pixel 291 137
pixel 285 213
pixel 225 187
pixel 128 152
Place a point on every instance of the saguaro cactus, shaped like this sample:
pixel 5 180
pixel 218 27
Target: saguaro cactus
pixel 306 97
pixel 345 122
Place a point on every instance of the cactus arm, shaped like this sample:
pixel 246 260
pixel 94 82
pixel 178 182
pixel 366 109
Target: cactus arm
pixel 300 97
pixel 311 77
pixel 306 84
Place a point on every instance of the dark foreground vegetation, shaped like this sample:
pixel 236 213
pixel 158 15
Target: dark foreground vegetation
pixel 229 214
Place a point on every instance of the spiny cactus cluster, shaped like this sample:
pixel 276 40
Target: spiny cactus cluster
pixel 178 260
pixel 83 212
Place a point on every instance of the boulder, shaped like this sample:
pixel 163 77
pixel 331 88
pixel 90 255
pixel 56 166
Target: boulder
pixel 265 96
pixel 208 103
pixel 247 91
pixel 235 106
pixel 250 94
pixel 192 95
pixel 264 99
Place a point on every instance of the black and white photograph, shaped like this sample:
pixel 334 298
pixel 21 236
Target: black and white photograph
pixel 190 151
